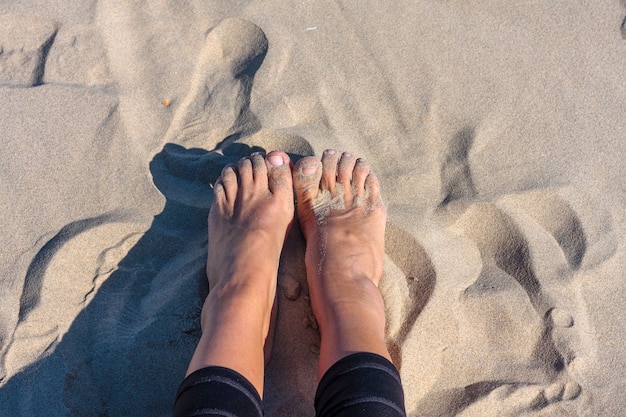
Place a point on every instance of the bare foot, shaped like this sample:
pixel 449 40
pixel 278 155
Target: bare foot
pixel 249 219
pixel 342 216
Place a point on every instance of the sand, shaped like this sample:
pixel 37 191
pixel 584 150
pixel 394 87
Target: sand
pixel 497 130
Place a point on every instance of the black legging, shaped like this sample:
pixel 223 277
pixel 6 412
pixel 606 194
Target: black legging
pixel 362 384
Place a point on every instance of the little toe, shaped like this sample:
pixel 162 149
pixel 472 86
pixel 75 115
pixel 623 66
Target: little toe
pixel 330 158
pixel 359 175
pixel 307 174
pixel 372 190
pixel 279 174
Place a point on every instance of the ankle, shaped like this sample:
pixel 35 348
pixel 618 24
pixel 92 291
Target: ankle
pixel 344 317
pixel 353 307
pixel 348 330
pixel 244 303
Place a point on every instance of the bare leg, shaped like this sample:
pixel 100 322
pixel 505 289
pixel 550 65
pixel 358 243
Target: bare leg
pixel 343 220
pixel 251 214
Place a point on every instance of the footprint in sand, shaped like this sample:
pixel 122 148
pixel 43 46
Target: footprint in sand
pixel 77 57
pixel 518 313
pixel 24 45
pixel 532 246
pixel 520 323
pixel 518 327
pixel 224 72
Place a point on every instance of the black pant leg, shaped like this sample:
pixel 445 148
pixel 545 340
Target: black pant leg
pixel 216 391
pixel 361 384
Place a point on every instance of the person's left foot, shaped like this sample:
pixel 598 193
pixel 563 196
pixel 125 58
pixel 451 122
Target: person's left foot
pixel 342 217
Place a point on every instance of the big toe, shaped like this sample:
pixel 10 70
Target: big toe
pixel 279 174
pixel 306 178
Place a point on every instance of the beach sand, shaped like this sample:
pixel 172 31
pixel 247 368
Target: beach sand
pixel 496 128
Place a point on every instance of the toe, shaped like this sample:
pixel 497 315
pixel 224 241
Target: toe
pixel 306 179
pixel 344 176
pixel 329 170
pixel 220 202
pixel 345 168
pixel 244 171
pixel 372 190
pixel 228 180
pixel 279 174
pixel 259 170
pixel 359 174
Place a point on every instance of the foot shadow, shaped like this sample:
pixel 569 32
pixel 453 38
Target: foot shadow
pixel 145 313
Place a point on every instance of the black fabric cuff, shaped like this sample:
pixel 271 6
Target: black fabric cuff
pixel 217 391
pixel 361 384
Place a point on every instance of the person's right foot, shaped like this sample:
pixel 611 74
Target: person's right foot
pixel 251 214
pixel 342 216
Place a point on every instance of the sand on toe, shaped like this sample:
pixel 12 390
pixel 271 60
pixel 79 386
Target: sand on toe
pixel 342 217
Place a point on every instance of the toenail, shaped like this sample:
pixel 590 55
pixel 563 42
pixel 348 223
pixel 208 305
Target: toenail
pixel 276 160
pixel 329 151
pixel 308 170
pixel 347 155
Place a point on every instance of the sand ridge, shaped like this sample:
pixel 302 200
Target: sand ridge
pixel 497 146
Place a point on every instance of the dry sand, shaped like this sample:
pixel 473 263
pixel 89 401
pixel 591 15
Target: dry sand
pixel 497 129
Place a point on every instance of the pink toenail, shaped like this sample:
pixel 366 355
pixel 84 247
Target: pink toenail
pixel 329 151
pixel 347 155
pixel 276 160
